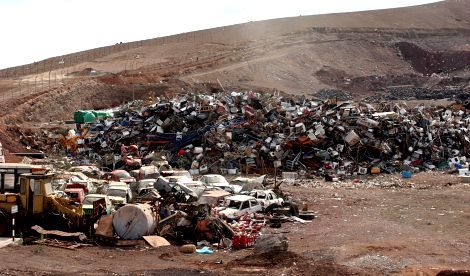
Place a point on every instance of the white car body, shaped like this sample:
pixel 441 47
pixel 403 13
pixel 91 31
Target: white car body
pixel 145 184
pixel 89 198
pixel 119 193
pixel 217 180
pixel 266 197
pixel 249 183
pixel 239 205
pixel 82 179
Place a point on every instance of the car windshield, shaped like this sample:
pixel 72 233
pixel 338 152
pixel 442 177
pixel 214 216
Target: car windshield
pixel 116 192
pixel 72 195
pixel 49 189
pixel 91 199
pixel 233 204
pixel 259 195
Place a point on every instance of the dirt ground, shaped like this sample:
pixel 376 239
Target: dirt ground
pixel 421 229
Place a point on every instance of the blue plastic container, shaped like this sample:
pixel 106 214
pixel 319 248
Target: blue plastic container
pixel 406 174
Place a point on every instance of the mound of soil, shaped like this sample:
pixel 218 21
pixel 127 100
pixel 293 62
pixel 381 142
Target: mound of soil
pixel 428 62
pixel 296 264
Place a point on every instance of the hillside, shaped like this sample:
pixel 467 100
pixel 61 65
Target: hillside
pixel 360 53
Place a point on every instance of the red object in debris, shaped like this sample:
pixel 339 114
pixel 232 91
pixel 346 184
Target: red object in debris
pixel 417 162
pixel 328 166
pixel 243 241
pixel 181 152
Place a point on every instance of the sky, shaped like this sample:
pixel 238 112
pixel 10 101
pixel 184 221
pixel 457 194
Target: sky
pixel 33 30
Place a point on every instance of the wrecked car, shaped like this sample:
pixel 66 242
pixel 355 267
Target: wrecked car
pixel 119 175
pixel 217 180
pixel 90 198
pixel 76 195
pixel 238 205
pixel 266 198
pixel 181 192
pixel 119 193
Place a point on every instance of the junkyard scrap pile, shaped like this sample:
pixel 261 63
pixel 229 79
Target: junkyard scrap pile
pixel 252 132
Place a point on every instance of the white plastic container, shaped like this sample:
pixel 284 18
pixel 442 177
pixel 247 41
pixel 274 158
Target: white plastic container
pixel 352 138
pixel 198 150
pixel 463 172
pixel 232 171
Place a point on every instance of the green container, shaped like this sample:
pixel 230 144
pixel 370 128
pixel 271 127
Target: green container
pixel 89 117
pixel 102 114
pixel 83 116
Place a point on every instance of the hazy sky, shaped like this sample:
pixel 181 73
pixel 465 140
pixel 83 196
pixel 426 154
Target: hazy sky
pixel 32 30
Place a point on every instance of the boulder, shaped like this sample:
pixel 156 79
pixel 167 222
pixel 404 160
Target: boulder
pixel 188 248
pixel 270 243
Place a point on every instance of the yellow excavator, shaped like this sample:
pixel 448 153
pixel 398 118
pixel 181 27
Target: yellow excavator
pixel 36 203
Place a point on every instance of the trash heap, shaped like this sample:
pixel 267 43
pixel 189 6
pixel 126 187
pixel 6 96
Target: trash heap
pixel 176 213
pixel 256 133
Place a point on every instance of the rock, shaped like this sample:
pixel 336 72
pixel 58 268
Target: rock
pixel 188 248
pixel 270 243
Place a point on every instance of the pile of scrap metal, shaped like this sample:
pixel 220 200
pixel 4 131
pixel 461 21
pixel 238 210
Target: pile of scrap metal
pixel 173 211
pixel 254 133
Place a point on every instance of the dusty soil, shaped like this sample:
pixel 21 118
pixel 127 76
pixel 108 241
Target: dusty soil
pixel 364 231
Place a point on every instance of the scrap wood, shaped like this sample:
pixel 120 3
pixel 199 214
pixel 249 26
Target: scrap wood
pixel 60 244
pixel 130 243
pixel 105 226
pixel 156 241
pixel 81 236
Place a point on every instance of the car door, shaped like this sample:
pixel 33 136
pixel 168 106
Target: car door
pixel 270 199
pixel 244 208
pixel 254 206
pixel 38 196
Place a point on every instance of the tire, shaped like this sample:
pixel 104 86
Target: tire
pixel 271 207
pixel 294 209
pixel 306 215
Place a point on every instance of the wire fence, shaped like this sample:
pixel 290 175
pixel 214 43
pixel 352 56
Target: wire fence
pixel 39 83
pixel 52 72
pixel 69 60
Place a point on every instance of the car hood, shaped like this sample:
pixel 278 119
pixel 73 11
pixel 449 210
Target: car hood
pixel 229 212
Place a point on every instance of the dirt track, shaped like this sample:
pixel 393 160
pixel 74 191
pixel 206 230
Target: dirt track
pixel 375 231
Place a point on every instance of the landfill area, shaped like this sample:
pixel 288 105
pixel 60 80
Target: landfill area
pixel 243 181
pixel 251 132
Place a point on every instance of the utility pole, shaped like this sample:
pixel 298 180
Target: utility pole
pixel 50 78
